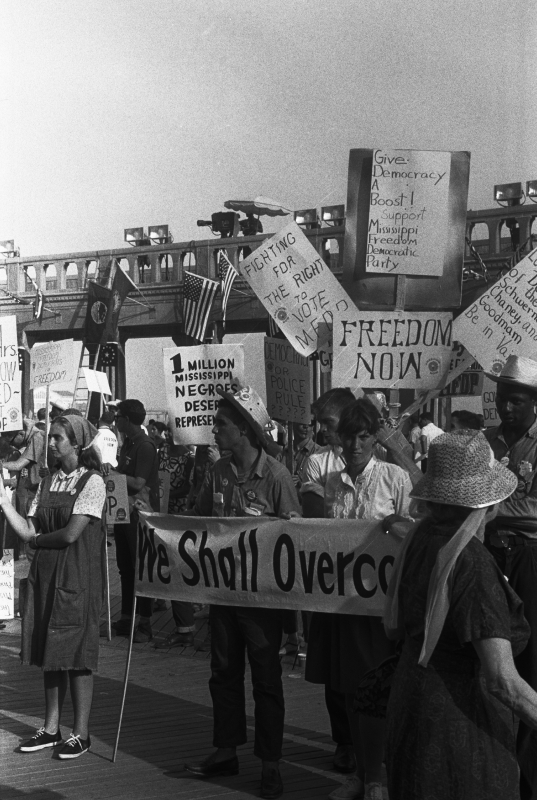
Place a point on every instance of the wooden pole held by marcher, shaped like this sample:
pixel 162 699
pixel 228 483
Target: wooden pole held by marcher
pixel 127 665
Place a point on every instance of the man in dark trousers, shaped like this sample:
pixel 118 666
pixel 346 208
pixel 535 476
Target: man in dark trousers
pixel 512 536
pixel 248 482
pixel 138 460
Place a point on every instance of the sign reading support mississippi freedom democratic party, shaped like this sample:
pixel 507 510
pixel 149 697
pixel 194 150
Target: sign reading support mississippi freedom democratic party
pixel 10 376
pixel 503 321
pixel 52 363
pixel 287 381
pixel 408 212
pixel 296 287
pixel 192 375
pixel 383 349
pixel 336 566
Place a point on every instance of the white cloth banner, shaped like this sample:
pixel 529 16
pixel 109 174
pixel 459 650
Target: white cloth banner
pixel 336 566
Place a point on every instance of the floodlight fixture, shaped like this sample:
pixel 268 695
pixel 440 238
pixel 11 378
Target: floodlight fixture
pixel 509 194
pixel 136 236
pixel 7 248
pixel 307 218
pixel 159 234
pixel 334 215
pixel 531 191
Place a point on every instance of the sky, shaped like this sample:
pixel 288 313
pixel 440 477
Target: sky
pixel 124 113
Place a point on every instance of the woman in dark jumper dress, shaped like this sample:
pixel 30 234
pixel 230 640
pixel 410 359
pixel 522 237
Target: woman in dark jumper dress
pixel 450 715
pixel 60 627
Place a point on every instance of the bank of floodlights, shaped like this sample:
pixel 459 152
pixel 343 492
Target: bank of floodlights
pixel 307 218
pixel 509 194
pixel 333 215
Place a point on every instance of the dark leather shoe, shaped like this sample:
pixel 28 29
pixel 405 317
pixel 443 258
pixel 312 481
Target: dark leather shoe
pixel 344 759
pixel 271 784
pixel 212 769
pixel 175 639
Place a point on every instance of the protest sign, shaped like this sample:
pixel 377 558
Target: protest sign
pixel 391 349
pixel 469 383
pixel 192 375
pixel 296 287
pixel 503 321
pixel 164 491
pixel 490 412
pixel 53 363
pixel 117 499
pixel 7 585
pixel 10 376
pixel 408 212
pixel 288 382
pixel 96 381
pixel 335 566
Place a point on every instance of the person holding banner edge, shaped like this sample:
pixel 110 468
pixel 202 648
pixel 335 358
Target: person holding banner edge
pixel 247 483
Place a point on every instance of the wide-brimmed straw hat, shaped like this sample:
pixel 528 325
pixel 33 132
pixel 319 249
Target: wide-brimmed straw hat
pixel 517 370
pixel 249 404
pixel 462 471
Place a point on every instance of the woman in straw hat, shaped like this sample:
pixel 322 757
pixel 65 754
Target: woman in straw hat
pixel 450 727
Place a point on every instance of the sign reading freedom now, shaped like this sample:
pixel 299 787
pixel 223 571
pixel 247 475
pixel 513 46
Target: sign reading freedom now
pixel 336 566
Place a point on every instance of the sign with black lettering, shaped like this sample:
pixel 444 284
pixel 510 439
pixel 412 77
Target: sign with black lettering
pixel 10 376
pixel 335 566
pixel 117 499
pixel 490 412
pixel 296 287
pixel 395 349
pixel 469 383
pixel 192 375
pixel 7 585
pixel 503 321
pixel 408 212
pixel 53 363
pixel 288 382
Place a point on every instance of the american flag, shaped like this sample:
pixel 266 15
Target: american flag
pixel 227 274
pixel 198 297
pixel 109 355
pixel 273 328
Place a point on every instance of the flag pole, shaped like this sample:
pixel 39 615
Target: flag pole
pixel 79 368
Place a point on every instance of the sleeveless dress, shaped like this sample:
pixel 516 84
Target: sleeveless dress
pixel 60 624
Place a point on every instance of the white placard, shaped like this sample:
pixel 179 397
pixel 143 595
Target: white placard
pixel 288 382
pixel 391 349
pixel 408 212
pixel 296 287
pixel 7 585
pixel 10 376
pixel 117 499
pixel 192 375
pixel 53 363
pixel 96 381
pixel 503 321
pixel 490 412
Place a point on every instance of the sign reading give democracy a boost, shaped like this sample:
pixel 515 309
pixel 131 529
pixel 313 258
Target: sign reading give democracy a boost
pixel 192 375
pixel 336 566
pixel 296 287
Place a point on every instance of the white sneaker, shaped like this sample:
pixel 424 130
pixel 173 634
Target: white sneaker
pixel 373 791
pixel 352 789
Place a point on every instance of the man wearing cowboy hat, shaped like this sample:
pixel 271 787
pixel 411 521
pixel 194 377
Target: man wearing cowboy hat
pixel 248 482
pixel 512 536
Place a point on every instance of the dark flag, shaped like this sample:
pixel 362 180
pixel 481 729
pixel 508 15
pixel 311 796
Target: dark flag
pixel 99 302
pixel 198 297
pixel 121 287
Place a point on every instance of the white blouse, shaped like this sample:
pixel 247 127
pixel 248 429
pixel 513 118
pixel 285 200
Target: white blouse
pixel 381 489
pixel 89 502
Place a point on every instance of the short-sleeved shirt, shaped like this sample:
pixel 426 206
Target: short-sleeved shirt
pixel 267 490
pixel 328 461
pixel 139 459
pixel 89 502
pixel 105 442
pixel 518 512
pixel 382 489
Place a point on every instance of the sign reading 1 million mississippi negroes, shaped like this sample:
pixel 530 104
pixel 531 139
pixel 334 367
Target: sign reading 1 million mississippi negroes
pixel 408 212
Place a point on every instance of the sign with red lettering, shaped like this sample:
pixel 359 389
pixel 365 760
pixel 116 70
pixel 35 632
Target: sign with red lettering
pixel 338 566
pixel 296 287
pixel 391 349
pixel 288 382
pixel 192 375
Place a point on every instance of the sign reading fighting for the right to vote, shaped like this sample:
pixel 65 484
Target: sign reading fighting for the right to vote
pixel 296 287
pixel 337 566
pixel 191 376
pixel 287 381
pixel 53 363
pixel 10 376
pixel 408 212
pixel 503 321
pixel 391 349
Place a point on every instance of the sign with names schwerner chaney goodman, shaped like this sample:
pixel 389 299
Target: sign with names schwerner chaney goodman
pixel 191 376
pixel 287 381
pixel 296 287
pixel 392 349
pixel 408 212
pixel 503 321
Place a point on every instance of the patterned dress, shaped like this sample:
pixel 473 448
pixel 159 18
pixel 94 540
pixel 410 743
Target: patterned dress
pixel 60 625
pixel 447 738
pixel 179 466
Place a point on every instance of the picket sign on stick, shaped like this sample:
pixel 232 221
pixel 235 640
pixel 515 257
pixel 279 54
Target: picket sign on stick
pixel 10 376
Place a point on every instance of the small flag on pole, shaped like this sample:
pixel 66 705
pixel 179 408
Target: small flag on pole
pixel 198 298
pixel 273 327
pixel 39 299
pixel 227 274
